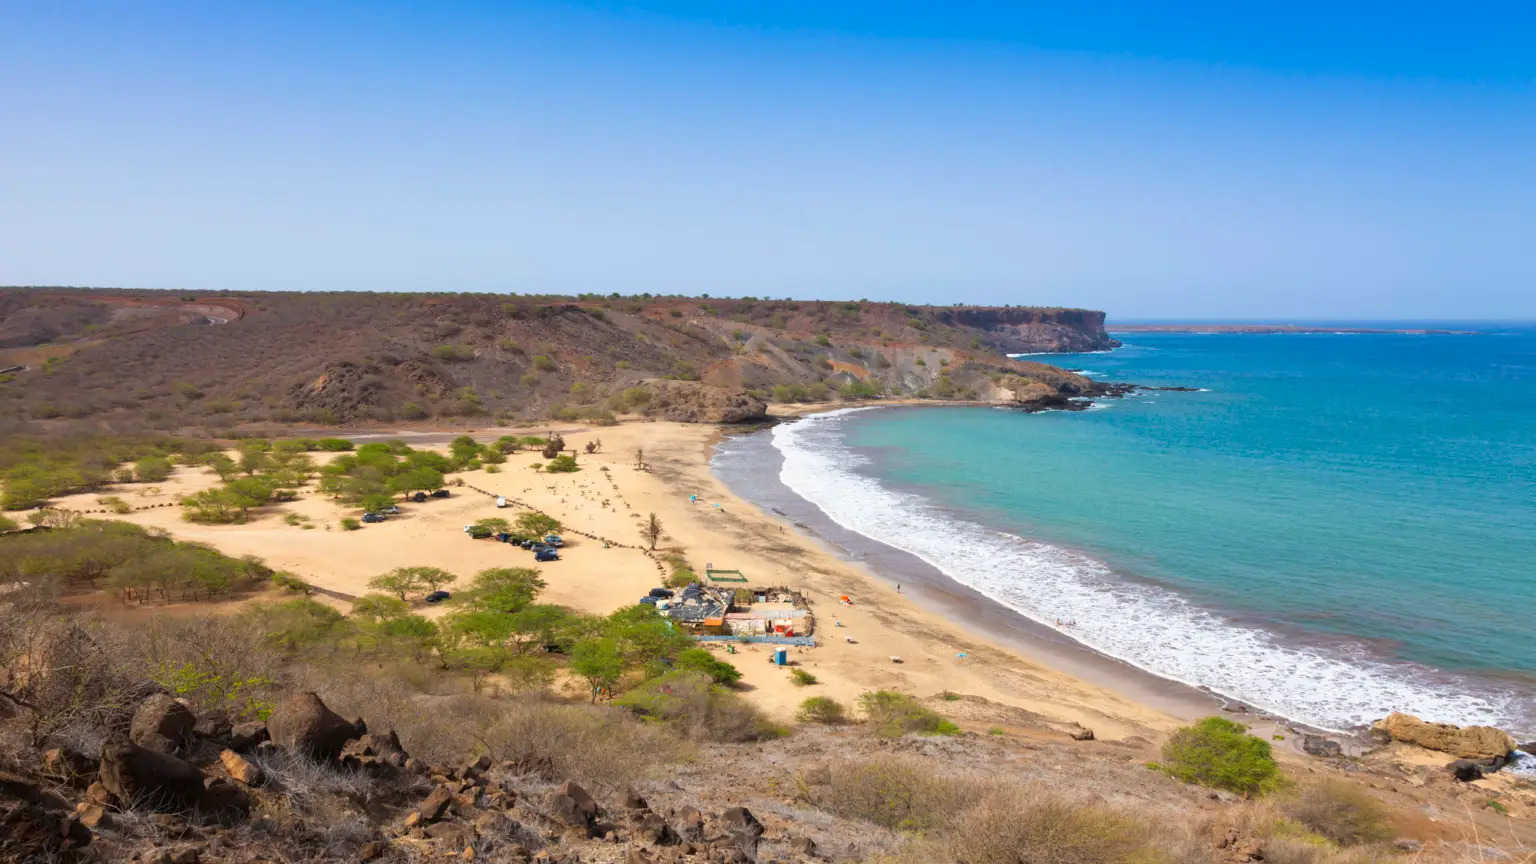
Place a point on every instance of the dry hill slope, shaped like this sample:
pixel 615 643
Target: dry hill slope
pixel 349 358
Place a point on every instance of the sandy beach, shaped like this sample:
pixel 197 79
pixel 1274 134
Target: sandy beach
pixel 947 639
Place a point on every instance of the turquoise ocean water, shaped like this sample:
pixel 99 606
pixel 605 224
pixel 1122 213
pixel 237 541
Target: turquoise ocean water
pixel 1337 526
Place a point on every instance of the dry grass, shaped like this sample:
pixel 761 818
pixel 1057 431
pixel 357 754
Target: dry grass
pixel 898 792
pixel 1340 811
pixel 441 723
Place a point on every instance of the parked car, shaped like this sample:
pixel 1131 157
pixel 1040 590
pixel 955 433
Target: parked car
pixel 391 510
pixel 553 540
pixel 661 593
pixel 373 517
pixel 441 493
pixel 419 497
pixel 438 596
pixel 546 554
pixel 501 501
pixel 648 600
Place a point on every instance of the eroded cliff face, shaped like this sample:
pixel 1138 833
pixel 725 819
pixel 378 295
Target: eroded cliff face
pixel 1021 331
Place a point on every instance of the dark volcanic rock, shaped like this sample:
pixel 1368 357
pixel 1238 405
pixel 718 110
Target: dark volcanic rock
pixel 303 724
pixel 213 725
pixel 162 724
pixel 1465 770
pixel 244 737
pixel 1317 745
pixel 572 805
pixel 150 778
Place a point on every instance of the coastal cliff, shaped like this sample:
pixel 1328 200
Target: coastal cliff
pixel 1038 331
pixel 356 358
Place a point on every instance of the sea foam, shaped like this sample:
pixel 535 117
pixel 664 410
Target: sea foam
pixel 1145 625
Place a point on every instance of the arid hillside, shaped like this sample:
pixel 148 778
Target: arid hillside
pixel 170 360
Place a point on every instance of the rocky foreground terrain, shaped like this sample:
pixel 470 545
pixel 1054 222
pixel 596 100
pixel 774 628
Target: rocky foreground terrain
pixel 172 360
pixel 310 785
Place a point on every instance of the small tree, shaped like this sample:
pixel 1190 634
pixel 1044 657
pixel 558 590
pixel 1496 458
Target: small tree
pixel 598 662
pixel 399 582
pixel 505 589
pixel 223 466
pixel 640 458
pixel 538 524
pixel 434 578
pixel 152 469
pixel 493 524
pixel 651 531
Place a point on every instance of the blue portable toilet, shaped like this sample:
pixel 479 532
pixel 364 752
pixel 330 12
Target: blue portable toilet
pixel 781 657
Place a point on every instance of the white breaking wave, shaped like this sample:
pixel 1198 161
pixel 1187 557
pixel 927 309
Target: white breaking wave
pixel 1059 353
pixel 1144 625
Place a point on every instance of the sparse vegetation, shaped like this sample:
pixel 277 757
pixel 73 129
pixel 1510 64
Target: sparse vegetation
pixel 892 714
pixel 822 709
pixel 801 678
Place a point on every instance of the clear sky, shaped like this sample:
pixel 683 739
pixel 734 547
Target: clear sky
pixel 1317 160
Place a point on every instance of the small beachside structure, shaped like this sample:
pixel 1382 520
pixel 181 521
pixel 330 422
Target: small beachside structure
pixel 698 608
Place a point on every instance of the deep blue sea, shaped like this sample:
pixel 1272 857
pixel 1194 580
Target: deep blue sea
pixel 1335 527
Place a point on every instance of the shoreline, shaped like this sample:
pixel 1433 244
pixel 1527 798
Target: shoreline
pixel 985 617
pixel 963 606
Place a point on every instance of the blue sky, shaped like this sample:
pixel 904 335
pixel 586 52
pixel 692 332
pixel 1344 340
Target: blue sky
pixel 1154 160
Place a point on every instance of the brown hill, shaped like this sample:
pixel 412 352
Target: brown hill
pixel 348 358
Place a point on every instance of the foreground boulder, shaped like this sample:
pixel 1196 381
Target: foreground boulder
pixel 1471 742
pixel 140 775
pixel 572 805
pixel 162 724
pixel 303 724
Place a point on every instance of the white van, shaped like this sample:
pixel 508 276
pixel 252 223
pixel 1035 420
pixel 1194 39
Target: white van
pixel 501 501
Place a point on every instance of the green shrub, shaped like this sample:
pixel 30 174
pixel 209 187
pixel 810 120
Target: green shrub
pixel 350 524
pixel 701 661
pixel 562 464
pixel 1219 753
pixel 682 574
pixel 115 504
pixel 543 363
pixel 822 709
pixel 698 708
pixel 453 353
pixel 801 678
pixel 893 714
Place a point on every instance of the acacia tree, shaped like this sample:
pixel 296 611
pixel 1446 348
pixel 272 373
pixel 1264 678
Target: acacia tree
pixel 433 578
pixel 399 582
pixel 538 524
pixel 598 662
pixel 651 530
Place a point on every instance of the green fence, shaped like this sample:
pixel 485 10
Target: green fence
pixel 725 576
